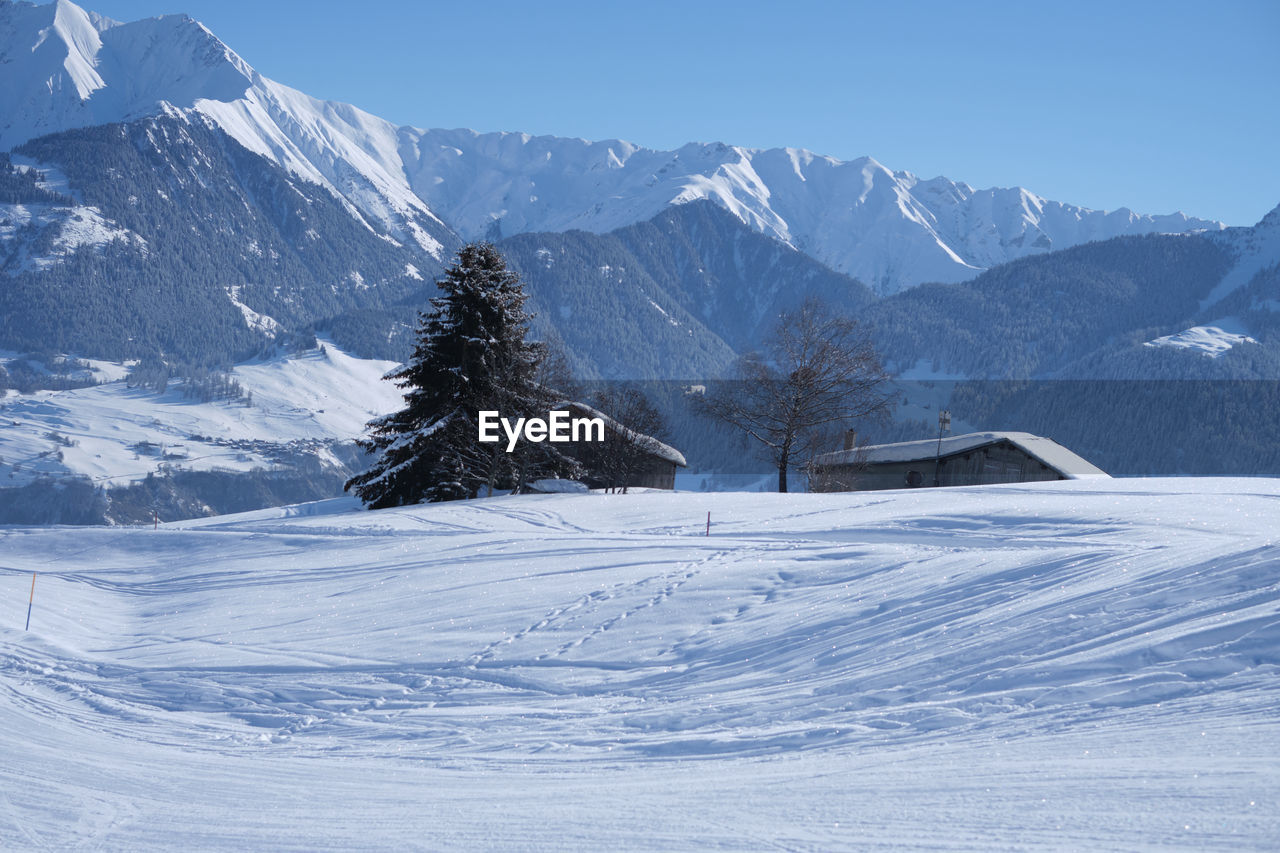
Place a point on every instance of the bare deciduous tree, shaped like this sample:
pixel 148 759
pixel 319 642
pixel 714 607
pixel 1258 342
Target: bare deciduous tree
pixel 819 369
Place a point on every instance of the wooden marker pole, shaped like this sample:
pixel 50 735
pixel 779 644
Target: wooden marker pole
pixel 31 601
pixel 708 522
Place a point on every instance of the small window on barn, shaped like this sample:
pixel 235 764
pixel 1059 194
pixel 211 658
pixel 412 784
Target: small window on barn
pixel 915 479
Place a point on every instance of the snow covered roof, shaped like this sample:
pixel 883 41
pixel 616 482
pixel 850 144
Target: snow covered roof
pixel 1048 451
pixel 657 448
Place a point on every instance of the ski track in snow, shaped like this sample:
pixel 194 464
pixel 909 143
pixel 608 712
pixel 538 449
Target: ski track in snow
pixel 1050 665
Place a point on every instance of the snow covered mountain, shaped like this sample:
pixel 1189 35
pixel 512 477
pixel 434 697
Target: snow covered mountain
pixel 62 67
pixel 887 228
pixel 112 238
pixel 1256 252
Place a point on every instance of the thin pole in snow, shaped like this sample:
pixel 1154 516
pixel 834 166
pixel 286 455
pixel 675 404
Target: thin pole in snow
pixel 155 515
pixel 944 422
pixel 31 601
pixel 708 522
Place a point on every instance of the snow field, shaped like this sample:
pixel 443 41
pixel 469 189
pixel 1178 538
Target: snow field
pixel 1210 340
pixel 317 396
pixel 1066 665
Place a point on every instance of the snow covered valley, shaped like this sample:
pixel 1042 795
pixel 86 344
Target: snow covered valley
pixel 1062 666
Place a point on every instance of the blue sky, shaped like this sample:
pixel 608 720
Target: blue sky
pixel 1158 106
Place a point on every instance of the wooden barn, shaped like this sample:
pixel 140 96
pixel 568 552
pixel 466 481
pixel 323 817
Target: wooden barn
pixel 962 460
pixel 655 467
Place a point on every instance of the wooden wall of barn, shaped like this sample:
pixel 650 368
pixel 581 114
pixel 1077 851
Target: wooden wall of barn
pixel 1003 462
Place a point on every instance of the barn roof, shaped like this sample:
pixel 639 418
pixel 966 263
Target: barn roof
pixel 651 444
pixel 1048 451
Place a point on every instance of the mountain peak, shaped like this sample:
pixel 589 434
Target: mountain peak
pixel 70 68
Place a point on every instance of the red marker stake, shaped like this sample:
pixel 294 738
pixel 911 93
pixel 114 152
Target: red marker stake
pixel 31 601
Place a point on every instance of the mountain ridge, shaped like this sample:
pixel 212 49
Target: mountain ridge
pixel 887 228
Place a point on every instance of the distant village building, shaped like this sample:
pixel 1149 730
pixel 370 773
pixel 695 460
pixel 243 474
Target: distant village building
pixel 655 465
pixel 963 460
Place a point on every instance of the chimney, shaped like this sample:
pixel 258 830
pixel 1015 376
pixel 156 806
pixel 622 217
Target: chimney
pixel 850 439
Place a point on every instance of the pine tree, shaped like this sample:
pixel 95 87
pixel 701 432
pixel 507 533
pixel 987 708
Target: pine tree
pixel 471 355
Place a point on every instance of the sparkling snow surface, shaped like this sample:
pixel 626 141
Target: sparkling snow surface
pixel 1070 665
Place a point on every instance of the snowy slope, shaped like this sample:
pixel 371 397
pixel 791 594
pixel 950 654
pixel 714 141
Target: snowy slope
pixel 103 432
pixel 62 67
pixel 58 228
pixel 66 68
pixel 1255 249
pixel 1210 340
pixel 1089 665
